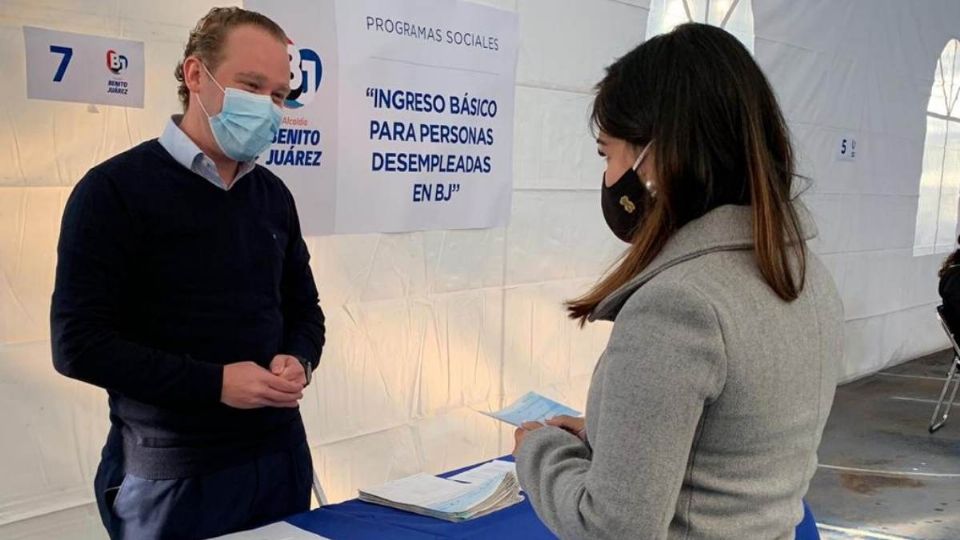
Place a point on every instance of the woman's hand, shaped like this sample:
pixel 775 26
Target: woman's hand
pixel 521 432
pixel 575 425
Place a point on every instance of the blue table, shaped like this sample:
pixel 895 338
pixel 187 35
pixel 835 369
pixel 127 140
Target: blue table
pixel 355 519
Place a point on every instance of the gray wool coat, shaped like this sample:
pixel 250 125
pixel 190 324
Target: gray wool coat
pixel 707 406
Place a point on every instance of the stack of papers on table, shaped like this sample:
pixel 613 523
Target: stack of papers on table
pixel 448 499
pixel 478 475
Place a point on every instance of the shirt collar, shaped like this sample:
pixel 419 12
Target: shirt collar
pixel 187 153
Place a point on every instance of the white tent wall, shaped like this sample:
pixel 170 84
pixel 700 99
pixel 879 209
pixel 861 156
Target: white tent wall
pixel 424 327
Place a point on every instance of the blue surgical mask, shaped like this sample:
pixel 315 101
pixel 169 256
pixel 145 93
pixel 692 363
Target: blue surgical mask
pixel 246 124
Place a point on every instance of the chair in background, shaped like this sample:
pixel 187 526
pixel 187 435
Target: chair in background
pixel 942 410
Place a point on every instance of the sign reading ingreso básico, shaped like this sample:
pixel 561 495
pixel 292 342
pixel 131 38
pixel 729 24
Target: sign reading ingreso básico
pixel 401 117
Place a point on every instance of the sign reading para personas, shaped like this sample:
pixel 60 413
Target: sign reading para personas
pixel 62 66
pixel 401 115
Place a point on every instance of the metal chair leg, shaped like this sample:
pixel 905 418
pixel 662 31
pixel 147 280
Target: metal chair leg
pixel 318 491
pixel 940 418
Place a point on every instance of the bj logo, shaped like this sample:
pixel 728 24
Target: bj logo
pixel 306 72
pixel 116 62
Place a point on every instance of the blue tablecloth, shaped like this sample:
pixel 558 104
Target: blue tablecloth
pixel 357 520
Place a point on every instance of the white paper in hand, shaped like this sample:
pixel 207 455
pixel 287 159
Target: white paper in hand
pixel 532 407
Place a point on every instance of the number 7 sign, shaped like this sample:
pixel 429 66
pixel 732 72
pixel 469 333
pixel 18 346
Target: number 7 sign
pixel 63 66
pixel 67 53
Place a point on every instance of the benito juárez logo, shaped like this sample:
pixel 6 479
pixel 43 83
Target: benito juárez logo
pixel 306 71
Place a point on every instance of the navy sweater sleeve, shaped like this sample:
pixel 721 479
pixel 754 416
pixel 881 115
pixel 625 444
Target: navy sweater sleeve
pixel 304 331
pixel 98 241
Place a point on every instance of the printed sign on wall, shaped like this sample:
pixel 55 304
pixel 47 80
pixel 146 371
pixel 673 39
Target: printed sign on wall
pixel 62 66
pixel 404 119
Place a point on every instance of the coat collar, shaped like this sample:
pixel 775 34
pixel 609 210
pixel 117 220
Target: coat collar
pixel 727 228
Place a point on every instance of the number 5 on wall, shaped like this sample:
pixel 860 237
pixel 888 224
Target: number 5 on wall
pixel 67 53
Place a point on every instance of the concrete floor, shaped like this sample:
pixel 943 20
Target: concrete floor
pixel 882 475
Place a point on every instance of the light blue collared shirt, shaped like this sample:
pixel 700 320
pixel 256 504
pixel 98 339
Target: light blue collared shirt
pixel 188 154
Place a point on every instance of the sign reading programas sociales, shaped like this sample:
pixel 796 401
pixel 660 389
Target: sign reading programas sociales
pixel 401 117
pixel 62 66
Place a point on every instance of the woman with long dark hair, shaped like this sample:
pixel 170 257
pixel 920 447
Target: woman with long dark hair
pixel 706 409
pixel 949 289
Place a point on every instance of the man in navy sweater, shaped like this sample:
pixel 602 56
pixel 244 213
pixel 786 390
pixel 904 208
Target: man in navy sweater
pixel 184 289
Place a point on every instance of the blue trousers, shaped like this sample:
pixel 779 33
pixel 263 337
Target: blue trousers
pixel 251 494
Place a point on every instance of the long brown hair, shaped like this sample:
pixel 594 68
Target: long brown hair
pixel 950 261
pixel 719 138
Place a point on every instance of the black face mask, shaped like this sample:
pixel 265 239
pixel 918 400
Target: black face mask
pixel 623 204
